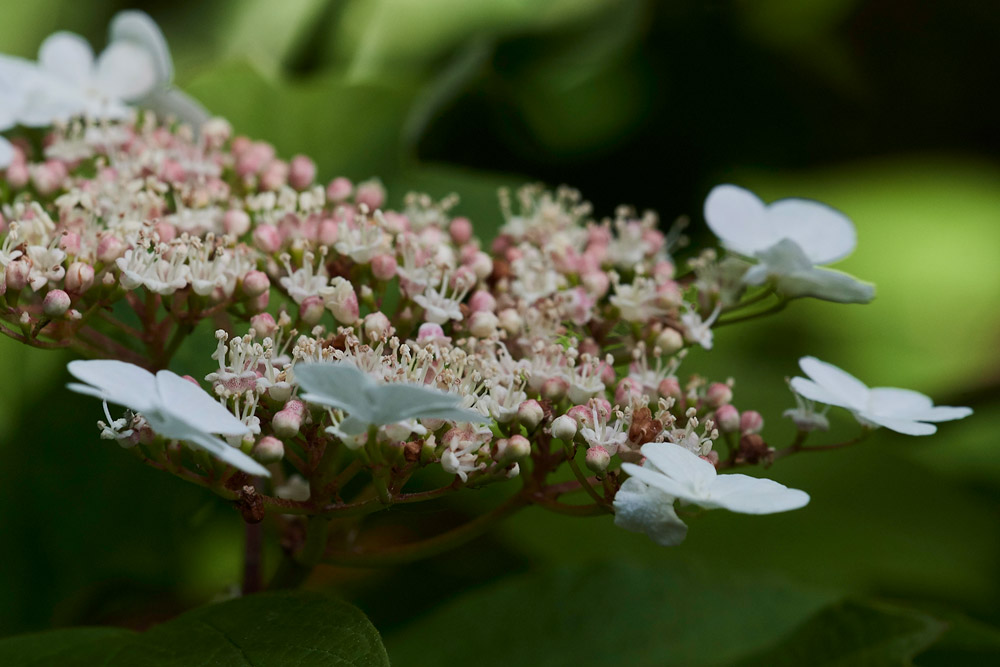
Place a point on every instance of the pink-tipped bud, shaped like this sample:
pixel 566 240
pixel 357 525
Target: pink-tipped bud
pixel 258 304
pixel 18 273
pixel 581 414
pixel 517 449
pixel 68 243
pixel 598 459
pixel 236 222
pixel 727 418
pixel 339 189
pixel 267 238
pixel 274 176
pixel 482 301
pixel 55 303
pixel 510 321
pixel 669 388
pixel 48 177
pixel 718 394
pixel 301 172
pixel 280 391
pixel 481 265
pixel 79 277
pixel 530 414
pixel 269 450
pixel 256 283
pixel 109 248
pixel 328 232
pixel 669 341
pixel 751 422
pixel 311 310
pixel 483 324
pixel 370 193
pixel 377 326
pixel 663 271
pixel 18 175
pixel 384 267
pixel 264 325
pixel 460 230
pixel 596 283
pixel 564 428
pixel 554 389
pixel 286 423
pixel 165 231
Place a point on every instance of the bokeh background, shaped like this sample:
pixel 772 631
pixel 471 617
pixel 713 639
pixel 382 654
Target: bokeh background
pixel 885 109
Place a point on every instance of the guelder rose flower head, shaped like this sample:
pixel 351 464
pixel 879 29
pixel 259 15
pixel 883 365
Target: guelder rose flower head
pixel 901 410
pixel 789 239
pixel 343 387
pixel 671 473
pixel 175 408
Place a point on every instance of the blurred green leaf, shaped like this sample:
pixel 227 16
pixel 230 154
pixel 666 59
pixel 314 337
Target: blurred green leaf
pixel 965 642
pixel 609 614
pixel 277 629
pixel 854 633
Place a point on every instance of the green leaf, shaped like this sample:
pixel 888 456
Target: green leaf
pixel 281 629
pixel 854 633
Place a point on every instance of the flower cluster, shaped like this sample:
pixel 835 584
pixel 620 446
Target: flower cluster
pixel 360 341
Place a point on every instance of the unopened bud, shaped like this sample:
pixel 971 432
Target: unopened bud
pixel 311 310
pixel 727 417
pixel 267 238
pixel 286 423
pixel 371 193
pixel 236 222
pixel 510 321
pixel 718 394
pixel 669 388
pixel 280 391
pixel 79 277
pixel 751 422
pixel 384 266
pixel 339 189
pixel 269 450
pixel 564 428
pixel 377 326
pixel 263 325
pixel 554 389
pixel 753 449
pixel 483 324
pixel 530 414
pixel 517 448
pixel 460 230
pixel 598 459
pixel 256 283
pixel 55 303
pixel 109 248
pixel 18 272
pixel 669 341
pixel 301 172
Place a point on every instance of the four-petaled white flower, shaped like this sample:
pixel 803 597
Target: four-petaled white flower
pixel 645 502
pixel 901 410
pixel 173 407
pixel 343 386
pixel 788 238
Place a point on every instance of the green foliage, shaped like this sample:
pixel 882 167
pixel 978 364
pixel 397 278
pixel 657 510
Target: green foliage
pixel 279 629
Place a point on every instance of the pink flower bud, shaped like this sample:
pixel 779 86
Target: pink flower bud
pixel 55 303
pixel 48 177
pixel 258 304
pixel 564 428
pixel 286 423
pixel 384 267
pixel 718 394
pixel 339 189
pixel 269 450
pixel 554 389
pixel 109 248
pixel 510 321
pixel 377 326
pixel 236 222
pixel 530 414
pixel 598 459
pixel 429 331
pixel 751 422
pixel 274 176
pixel 663 271
pixel 581 414
pixel 518 448
pixel 370 193
pixel 481 300
pixel 166 232
pixel 264 325
pixel 267 238
pixel 396 223
pixel 669 388
pixel 256 283
pixel 79 277
pixel 483 324
pixel 328 232
pixel 311 310
pixel 481 265
pixel 301 172
pixel 727 418
pixel 628 390
pixel 18 175
pixel 69 242
pixel 596 283
pixel 18 273
pixel 460 230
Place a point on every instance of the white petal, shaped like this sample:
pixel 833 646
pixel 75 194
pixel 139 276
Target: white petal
pixel 6 153
pixel 679 463
pixel 224 452
pixel 754 495
pixel 824 233
pixel 899 424
pixel 825 284
pixel 118 382
pixel 67 56
pixel 945 413
pixel 657 479
pixel 192 405
pixel 840 383
pixel 895 402
pixel 125 72
pixel 140 29
pixel 736 216
pixel 336 385
pixel 814 392
pixel 643 509
pixel 174 103
pixel 396 402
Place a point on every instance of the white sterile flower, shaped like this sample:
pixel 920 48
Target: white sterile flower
pixel 789 238
pixel 900 410
pixel 342 386
pixel 174 407
pixel 682 475
pixel 641 508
